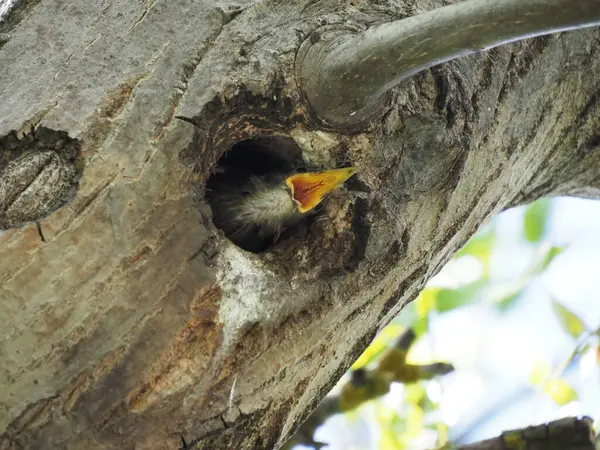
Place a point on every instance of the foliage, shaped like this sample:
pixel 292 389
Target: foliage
pixel 535 220
pixel 413 416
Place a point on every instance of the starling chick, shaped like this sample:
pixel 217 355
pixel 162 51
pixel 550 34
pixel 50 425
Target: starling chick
pixel 262 207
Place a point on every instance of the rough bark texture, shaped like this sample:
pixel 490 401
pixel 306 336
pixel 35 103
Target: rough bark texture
pixel 136 320
pixel 344 71
pixel 569 433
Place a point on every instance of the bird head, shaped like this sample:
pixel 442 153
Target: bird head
pixel 309 189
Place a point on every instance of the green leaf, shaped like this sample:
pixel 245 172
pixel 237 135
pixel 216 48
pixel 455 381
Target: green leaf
pixel 547 258
pixel 389 440
pixel 443 436
pixel 535 220
pixel 379 345
pixel 389 426
pixel 425 302
pixel 480 246
pixel 449 299
pixel 414 423
pixel 421 326
pixel 414 394
pixel 539 373
pixel 570 321
pixel 560 391
pixel 507 301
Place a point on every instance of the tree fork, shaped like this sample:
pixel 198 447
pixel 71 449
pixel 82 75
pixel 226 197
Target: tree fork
pixel 344 74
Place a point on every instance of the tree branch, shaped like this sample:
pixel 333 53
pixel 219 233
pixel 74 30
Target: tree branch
pixel 367 385
pixel 569 433
pixel 343 77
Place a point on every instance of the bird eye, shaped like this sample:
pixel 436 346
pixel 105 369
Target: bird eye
pixel 301 170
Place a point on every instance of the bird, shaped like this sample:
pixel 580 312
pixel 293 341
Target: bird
pixel 253 212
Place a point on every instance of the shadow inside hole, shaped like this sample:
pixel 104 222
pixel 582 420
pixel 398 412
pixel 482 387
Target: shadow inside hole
pixel 271 158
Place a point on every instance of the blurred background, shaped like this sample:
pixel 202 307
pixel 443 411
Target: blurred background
pixel 517 313
pixel 4 6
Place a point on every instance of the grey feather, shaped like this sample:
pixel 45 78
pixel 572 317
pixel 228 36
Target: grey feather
pixel 259 208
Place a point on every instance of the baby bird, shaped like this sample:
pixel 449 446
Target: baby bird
pixel 260 208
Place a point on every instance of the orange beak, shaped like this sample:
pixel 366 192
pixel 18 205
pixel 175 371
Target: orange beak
pixel 309 189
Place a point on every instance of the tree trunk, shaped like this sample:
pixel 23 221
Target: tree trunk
pixel 128 318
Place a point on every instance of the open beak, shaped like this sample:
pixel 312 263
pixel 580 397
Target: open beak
pixel 308 189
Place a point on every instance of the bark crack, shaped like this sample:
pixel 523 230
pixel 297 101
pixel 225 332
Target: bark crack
pixel 86 202
pixel 40 232
pixel 150 4
pixel 187 70
pixel 31 124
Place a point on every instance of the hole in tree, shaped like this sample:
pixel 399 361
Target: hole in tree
pixel 247 193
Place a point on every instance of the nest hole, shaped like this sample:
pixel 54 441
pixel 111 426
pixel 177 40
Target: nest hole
pixel 258 157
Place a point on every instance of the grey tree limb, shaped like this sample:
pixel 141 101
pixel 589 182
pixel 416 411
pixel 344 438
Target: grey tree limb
pixel 569 433
pixel 344 75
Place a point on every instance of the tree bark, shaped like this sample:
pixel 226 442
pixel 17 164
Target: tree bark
pixel 569 433
pixel 135 321
pixel 344 73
